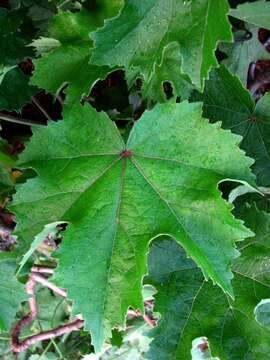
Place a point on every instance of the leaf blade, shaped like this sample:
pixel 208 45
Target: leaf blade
pixel 136 39
pixel 114 211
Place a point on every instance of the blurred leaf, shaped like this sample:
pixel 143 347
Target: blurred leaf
pixel 201 350
pixel 43 45
pixel 245 50
pixel 14 37
pixel 134 347
pixel 256 13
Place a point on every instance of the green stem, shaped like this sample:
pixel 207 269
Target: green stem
pixel 40 107
pixel 65 2
pixel 57 349
pixel 46 349
pixel 20 121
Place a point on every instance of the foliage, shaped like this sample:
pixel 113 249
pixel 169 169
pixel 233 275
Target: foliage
pixel 256 13
pixel 177 198
pixel 245 50
pixel 192 307
pixel 11 293
pixel 137 123
pixel 225 99
pixel 156 24
pixel 70 59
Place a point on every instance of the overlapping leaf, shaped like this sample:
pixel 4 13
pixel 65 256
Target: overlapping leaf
pixel 69 63
pixel 39 11
pixel 192 308
pixel 168 70
pixel 256 13
pixel 117 197
pixel 137 37
pixel 13 79
pixel 245 50
pixel 226 100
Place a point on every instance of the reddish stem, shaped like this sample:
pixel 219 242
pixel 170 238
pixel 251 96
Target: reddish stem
pixel 46 335
pixel 34 278
pixel 150 322
pixel 146 318
pixel 43 281
pixel 42 269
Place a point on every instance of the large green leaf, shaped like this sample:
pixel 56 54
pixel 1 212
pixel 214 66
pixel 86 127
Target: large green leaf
pixel 256 13
pixel 137 37
pixel 246 49
pixel 226 100
pixel 11 293
pixel 117 197
pixel 69 63
pixel 191 307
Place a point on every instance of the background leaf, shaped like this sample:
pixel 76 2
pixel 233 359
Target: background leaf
pixel 70 60
pixel 14 37
pixel 137 37
pixel 192 308
pixel 226 100
pixel 168 70
pixel 256 13
pixel 245 50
